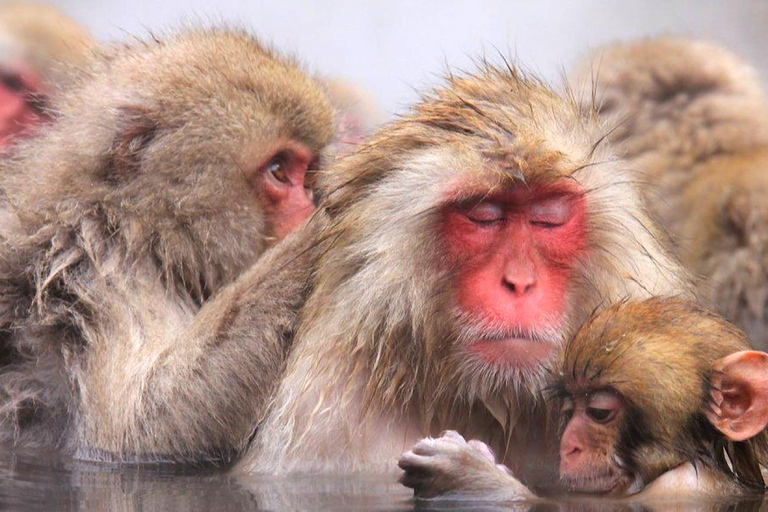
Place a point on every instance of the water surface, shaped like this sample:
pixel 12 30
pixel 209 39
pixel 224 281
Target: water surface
pixel 46 481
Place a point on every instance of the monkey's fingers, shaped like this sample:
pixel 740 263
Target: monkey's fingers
pixel 413 462
pixel 483 449
pixel 418 470
pixel 452 435
pixel 431 446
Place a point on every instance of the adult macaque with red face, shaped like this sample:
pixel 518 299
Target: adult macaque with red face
pixel 463 245
pixel 38 46
pixel 658 399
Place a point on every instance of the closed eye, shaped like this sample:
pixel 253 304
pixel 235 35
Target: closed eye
pixel 486 213
pixel 551 212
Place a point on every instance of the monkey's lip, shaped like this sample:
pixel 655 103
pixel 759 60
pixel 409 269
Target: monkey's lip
pixel 607 483
pixel 515 352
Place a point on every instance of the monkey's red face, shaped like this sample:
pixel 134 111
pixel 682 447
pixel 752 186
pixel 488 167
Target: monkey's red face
pixel 514 252
pixel 588 462
pixel 18 111
pixel 284 185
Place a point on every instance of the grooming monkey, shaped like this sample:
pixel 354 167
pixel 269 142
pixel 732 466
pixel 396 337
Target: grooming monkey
pixel 693 119
pixel 170 169
pixel 38 48
pixel 451 256
pixel 658 397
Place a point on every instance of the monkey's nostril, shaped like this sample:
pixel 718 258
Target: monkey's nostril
pixel 571 452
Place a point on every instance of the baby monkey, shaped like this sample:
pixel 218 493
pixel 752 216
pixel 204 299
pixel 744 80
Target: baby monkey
pixel 656 397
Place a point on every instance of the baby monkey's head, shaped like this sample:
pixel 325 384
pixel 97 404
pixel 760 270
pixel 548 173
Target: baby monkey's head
pixel 647 386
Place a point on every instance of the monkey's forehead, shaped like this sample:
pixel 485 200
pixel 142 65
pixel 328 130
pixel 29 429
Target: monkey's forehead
pixel 664 341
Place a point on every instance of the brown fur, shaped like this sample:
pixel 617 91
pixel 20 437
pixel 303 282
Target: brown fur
pixel 693 119
pixel 130 220
pixel 372 366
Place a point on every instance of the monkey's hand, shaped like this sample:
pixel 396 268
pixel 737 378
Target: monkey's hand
pixel 451 467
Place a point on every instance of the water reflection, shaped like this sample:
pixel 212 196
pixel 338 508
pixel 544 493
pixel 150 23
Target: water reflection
pixel 34 481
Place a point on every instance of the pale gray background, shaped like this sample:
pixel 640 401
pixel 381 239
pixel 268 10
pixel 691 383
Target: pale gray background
pixel 392 47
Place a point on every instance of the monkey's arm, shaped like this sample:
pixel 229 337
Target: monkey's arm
pixel 451 468
pixel 199 393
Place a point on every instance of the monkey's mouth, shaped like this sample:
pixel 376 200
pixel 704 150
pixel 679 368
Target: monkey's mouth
pixel 515 352
pixel 608 482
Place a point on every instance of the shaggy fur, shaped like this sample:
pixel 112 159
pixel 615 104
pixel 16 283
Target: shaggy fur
pixel 693 119
pixel 374 364
pixel 127 225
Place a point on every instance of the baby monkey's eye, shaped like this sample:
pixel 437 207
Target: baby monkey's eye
pixel 602 406
pixel 600 415
pixel 566 409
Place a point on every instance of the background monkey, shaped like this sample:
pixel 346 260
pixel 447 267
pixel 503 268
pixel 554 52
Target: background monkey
pixel 38 48
pixel 693 120
pixel 170 169
pixel 657 397
pixel 357 114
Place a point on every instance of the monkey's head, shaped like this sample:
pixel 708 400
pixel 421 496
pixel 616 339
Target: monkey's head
pixel 474 234
pixel 196 150
pixel 37 45
pixel 647 386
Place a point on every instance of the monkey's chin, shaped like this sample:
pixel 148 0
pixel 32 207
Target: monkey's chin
pixel 606 484
pixel 512 353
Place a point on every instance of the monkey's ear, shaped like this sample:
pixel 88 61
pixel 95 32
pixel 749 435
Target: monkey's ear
pixel 136 129
pixel 740 395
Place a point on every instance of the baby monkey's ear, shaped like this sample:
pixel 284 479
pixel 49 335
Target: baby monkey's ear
pixel 740 395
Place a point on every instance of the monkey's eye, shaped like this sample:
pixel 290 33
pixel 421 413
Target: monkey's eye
pixel 600 415
pixel 486 213
pixel 551 212
pixel 277 167
pixel 603 406
pixel 566 409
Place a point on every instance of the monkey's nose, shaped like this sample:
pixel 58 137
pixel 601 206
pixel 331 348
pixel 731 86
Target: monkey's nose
pixel 570 454
pixel 521 282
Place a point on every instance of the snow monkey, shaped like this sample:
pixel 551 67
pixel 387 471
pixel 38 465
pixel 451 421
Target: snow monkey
pixel 169 170
pixel 38 46
pixel 657 397
pixel 449 259
pixel 693 120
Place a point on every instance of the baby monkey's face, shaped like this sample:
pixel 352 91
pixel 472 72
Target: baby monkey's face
pixel 588 459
